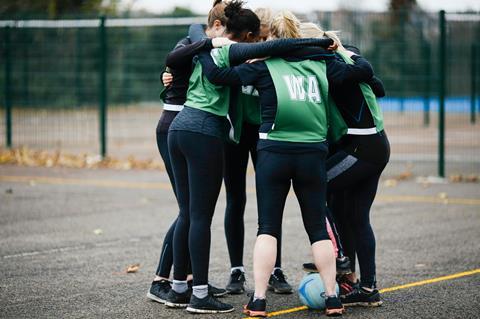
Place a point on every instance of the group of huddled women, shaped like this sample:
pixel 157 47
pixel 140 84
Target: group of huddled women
pixel 304 108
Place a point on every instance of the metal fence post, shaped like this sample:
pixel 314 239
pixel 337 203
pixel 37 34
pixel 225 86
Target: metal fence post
pixel 103 88
pixel 8 88
pixel 441 93
pixel 403 77
pixel 473 84
pixel 25 68
pixel 78 67
pixel 428 77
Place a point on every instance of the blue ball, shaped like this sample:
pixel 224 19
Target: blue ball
pixel 311 291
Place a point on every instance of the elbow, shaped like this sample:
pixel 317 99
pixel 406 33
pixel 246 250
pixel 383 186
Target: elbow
pixel 368 71
pixel 381 93
pixel 170 61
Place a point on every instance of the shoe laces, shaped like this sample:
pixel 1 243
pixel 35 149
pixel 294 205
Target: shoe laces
pixel 354 291
pixel 164 284
pixel 215 301
pixel 237 275
pixel 280 276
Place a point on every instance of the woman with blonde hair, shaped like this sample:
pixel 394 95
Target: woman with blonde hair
pixel 358 158
pixel 265 16
pixel 292 147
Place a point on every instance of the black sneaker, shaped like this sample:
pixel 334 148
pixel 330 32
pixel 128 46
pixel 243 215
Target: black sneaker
pixel 360 296
pixel 343 266
pixel 178 300
pixel 255 308
pixel 209 304
pixel 346 286
pixel 278 283
pixel 236 283
pixel 216 292
pixel 333 306
pixel 159 290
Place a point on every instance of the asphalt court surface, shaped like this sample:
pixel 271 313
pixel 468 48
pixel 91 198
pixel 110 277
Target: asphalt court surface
pixel 67 236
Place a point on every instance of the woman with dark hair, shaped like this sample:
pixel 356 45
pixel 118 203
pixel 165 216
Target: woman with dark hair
pixel 173 97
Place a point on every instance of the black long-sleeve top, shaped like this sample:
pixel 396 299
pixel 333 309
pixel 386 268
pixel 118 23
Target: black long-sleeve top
pixel 239 52
pixel 176 92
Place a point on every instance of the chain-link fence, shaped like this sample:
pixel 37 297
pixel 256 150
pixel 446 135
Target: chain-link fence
pixel 64 80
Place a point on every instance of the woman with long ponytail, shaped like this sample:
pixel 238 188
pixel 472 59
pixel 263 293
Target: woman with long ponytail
pixel 359 154
pixel 173 98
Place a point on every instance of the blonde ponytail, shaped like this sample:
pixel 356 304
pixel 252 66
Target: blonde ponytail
pixel 311 30
pixel 285 25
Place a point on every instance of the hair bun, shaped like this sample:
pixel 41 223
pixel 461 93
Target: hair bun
pixel 233 8
pixel 215 2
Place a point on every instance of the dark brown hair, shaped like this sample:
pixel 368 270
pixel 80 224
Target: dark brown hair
pixel 241 19
pixel 217 13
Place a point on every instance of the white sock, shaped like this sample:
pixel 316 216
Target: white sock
pixel 200 291
pixel 235 268
pixel 180 286
pixel 255 298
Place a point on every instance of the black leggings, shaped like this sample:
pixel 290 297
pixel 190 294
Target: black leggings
pixel 197 162
pixel 166 256
pixel 352 186
pixel 275 173
pixel 235 174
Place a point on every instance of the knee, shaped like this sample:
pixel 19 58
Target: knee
pixel 236 203
pixel 272 230
pixel 317 234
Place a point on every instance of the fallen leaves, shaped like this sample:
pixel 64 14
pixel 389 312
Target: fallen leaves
pixel 406 175
pixel 458 178
pixel 429 180
pixel 133 268
pixel 27 157
pixel 390 182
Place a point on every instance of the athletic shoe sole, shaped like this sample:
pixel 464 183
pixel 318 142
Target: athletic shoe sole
pixel 280 291
pixel 334 312
pixel 253 313
pixel 220 294
pixel 364 304
pixel 175 305
pixel 155 298
pixel 194 310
